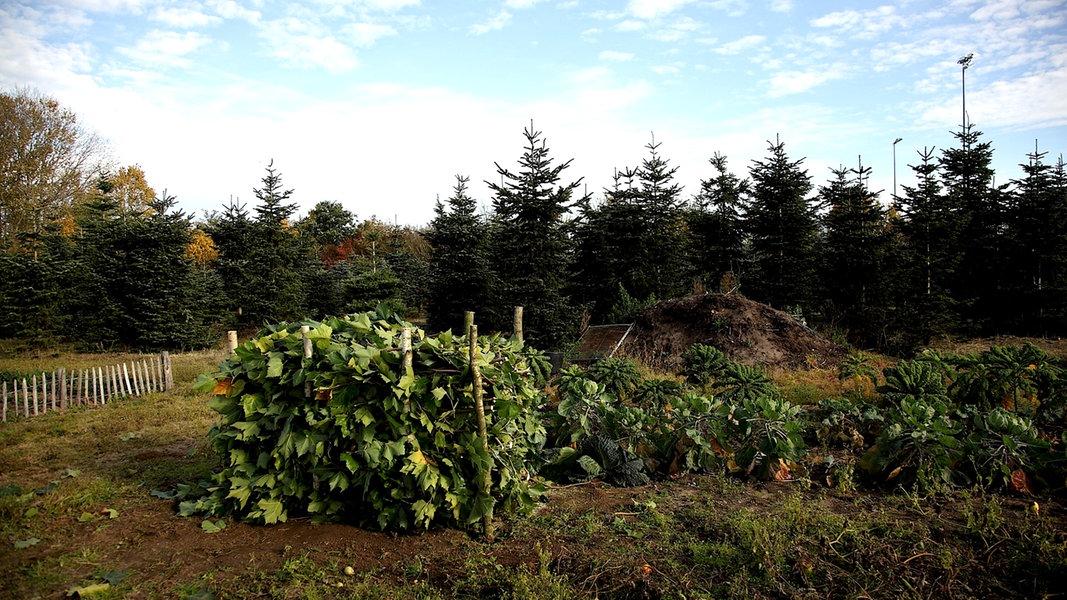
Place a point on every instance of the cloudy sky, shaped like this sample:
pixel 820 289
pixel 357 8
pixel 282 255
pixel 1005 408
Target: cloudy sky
pixel 379 103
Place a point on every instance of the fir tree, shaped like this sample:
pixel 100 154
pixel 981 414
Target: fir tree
pixel 715 224
pixel 967 177
pixel 531 246
pixel 783 229
pixel 1036 243
pixel 854 225
pixel 932 230
pixel 459 260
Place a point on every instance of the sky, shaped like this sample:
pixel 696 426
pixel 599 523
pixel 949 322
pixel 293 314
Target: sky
pixel 379 104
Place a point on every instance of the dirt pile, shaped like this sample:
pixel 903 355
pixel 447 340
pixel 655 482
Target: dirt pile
pixel 748 332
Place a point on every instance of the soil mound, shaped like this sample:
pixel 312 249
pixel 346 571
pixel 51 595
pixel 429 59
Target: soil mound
pixel 748 332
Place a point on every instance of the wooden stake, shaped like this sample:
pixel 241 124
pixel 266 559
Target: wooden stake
pixel 231 342
pixel 405 352
pixel 55 392
pixel 148 373
pixel 168 376
pixel 126 377
pixel 36 410
pixel 468 321
pixel 5 402
pixel 479 411
pixel 516 323
pixel 44 394
pixel 63 387
pixel 25 399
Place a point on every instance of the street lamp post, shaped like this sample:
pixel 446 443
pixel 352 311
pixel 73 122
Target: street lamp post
pixel 964 63
pixel 895 142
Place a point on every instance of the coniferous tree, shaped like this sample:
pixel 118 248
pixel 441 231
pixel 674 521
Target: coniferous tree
pixel 1036 243
pixel 783 228
pixel 967 176
pixel 459 260
pixel 607 237
pixel 852 262
pixel 716 227
pixel 932 229
pixel 532 247
pixel 660 267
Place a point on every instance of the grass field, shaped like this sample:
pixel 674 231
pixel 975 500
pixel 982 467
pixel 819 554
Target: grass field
pixel 77 514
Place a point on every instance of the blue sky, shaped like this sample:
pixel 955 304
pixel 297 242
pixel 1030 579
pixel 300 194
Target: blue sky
pixel 377 104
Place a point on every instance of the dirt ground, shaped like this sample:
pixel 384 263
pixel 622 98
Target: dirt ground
pixel 746 331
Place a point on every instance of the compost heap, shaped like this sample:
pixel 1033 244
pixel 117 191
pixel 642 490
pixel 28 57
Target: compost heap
pixel 748 332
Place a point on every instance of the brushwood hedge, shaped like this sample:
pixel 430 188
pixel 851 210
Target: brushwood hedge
pixel 351 435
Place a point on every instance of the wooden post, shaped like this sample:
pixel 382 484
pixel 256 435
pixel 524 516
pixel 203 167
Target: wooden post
pixel 516 323
pixel 304 330
pixel 25 399
pixel 405 353
pixel 55 392
pixel 231 342
pixel 157 368
pixel 36 409
pixel 85 387
pixel 168 375
pixel 5 402
pixel 44 394
pixel 479 411
pixel 62 387
pixel 468 321
pixel 126 377
pixel 113 380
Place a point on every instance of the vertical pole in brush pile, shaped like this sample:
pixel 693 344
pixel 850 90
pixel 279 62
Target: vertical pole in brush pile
pixel 468 320
pixel 479 410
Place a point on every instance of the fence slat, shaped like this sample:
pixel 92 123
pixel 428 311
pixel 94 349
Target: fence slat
pixel 126 377
pixel 158 366
pixel 138 381
pixel 62 387
pixel 5 401
pixel 148 376
pixel 44 394
pixel 36 409
pixel 115 390
pixel 25 399
pixel 168 375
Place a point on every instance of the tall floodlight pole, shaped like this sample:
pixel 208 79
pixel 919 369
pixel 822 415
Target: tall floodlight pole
pixel 895 142
pixel 964 63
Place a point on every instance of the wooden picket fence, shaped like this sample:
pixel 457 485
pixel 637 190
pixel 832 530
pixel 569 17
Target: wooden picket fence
pixel 61 389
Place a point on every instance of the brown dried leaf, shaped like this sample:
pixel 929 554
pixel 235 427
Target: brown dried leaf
pixel 222 388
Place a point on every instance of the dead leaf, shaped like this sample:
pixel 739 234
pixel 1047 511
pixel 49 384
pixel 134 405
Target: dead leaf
pixel 894 473
pixel 1020 482
pixel 222 388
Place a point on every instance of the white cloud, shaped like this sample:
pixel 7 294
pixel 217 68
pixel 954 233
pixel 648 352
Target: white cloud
pixel 165 48
pixel 494 23
pixel 864 25
pixel 300 45
pixel 389 5
pixel 615 55
pixel 782 6
pixel 184 17
pixel 228 9
pixel 666 70
pixel 521 4
pixel 676 30
pixel 795 82
pixel 741 45
pixel 1027 102
pixel 654 9
pixel 630 25
pixel 366 34
pixel 733 8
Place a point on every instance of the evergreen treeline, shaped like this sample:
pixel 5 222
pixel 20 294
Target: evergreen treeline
pixel 953 255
